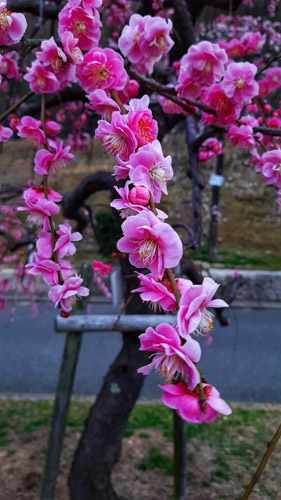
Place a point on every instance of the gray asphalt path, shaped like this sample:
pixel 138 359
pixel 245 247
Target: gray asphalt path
pixel 243 362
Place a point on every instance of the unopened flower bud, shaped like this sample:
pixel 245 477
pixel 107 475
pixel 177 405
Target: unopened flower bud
pixel 139 195
pixel 14 121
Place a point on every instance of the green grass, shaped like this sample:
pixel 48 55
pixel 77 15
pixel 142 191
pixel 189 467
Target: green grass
pixel 155 460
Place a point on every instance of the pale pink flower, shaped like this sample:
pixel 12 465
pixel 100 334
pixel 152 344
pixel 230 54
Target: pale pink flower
pixel 239 82
pixel 272 79
pixel 65 294
pixel 44 245
pixel 40 212
pixel 5 133
pixel 102 69
pixel 12 26
pixel 54 59
pixel 150 243
pixel 193 317
pixel 72 51
pixel 29 128
pixel 101 268
pixel 51 160
pixel 204 64
pixel 41 81
pixel 140 121
pixel 101 102
pixel 253 42
pixel 64 246
pixel 84 25
pixel 186 402
pixel 160 292
pixel 129 40
pixel 171 357
pixel 241 136
pixel 271 169
pixel 210 148
pixel 88 5
pixel 47 268
pixel 117 137
pixel 151 169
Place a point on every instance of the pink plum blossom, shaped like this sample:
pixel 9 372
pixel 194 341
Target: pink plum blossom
pixel 239 82
pixel 193 316
pixel 241 136
pixel 160 292
pixel 204 64
pixel 171 357
pixel 130 91
pixel 52 128
pixel 65 294
pixel 44 245
pixel 210 148
pixel 46 268
pixel 64 246
pixel 40 211
pixel 140 121
pixel 58 157
pixel 233 48
pixel 139 195
pixel 14 121
pixel 129 40
pixel 9 65
pixel 168 106
pixel 101 268
pixel 227 110
pixel 117 137
pixel 102 69
pixel 12 26
pixel 54 59
pixel 101 102
pixel 121 171
pixel 33 194
pixel 271 169
pixel 29 128
pixel 151 169
pixel 5 133
pixel 186 402
pixel 41 81
pixel 69 43
pixel 253 42
pixel 125 204
pixel 150 243
pixel 84 25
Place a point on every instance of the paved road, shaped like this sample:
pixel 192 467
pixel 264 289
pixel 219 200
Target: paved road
pixel 243 361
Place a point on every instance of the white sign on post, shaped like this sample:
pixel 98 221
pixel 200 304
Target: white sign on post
pixel 216 180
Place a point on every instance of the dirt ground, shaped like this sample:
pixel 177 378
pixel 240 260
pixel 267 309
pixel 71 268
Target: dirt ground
pixel 21 466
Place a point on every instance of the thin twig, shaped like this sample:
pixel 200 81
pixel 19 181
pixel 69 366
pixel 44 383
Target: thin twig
pixel 16 106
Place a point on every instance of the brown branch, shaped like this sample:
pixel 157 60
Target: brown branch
pixel 16 106
pixel 256 477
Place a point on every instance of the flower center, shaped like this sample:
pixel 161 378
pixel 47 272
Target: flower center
pixel 148 249
pixel 206 322
pixel 79 28
pixel 56 63
pixel 41 82
pixel 207 67
pixel 114 143
pixel 240 83
pixel 158 174
pixel 5 19
pixel 161 43
pixel 277 168
pixel 145 128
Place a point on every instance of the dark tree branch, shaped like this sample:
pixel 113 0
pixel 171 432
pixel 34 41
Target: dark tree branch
pixel 50 11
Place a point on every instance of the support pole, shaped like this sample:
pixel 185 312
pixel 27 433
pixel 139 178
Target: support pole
pixel 180 470
pixel 212 238
pixel 62 399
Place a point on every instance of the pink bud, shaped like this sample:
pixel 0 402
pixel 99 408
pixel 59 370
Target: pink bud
pixel 267 108
pixel 139 195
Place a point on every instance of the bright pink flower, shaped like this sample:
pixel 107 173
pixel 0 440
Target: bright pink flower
pixel 40 211
pixel 88 5
pixel 151 169
pixel 241 136
pixel 239 82
pixel 253 42
pixel 14 121
pixel 102 69
pixel 264 89
pixel 272 78
pixel 58 157
pixel 9 65
pixel 150 243
pixel 130 91
pixel 5 133
pixel 32 195
pixel 233 48
pixel 12 26
pixel 227 109
pixel 40 80
pixel 117 137
pixel 29 128
pixel 69 43
pixel 44 245
pixel 84 25
pixel 271 169
pixel 65 294
pixel 47 268
pixel 101 102
pixel 54 59
pixel 139 195
pixel 187 89
pixel 125 204
pixel 193 316
pixel 273 122
pixel 171 357
pixel 160 292
pixel 210 148
pixel 186 402
pixel 204 64
pixel 140 121
pixel 129 40
pixel 100 268
pixel 52 128
pixel 64 246
pixel 121 171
